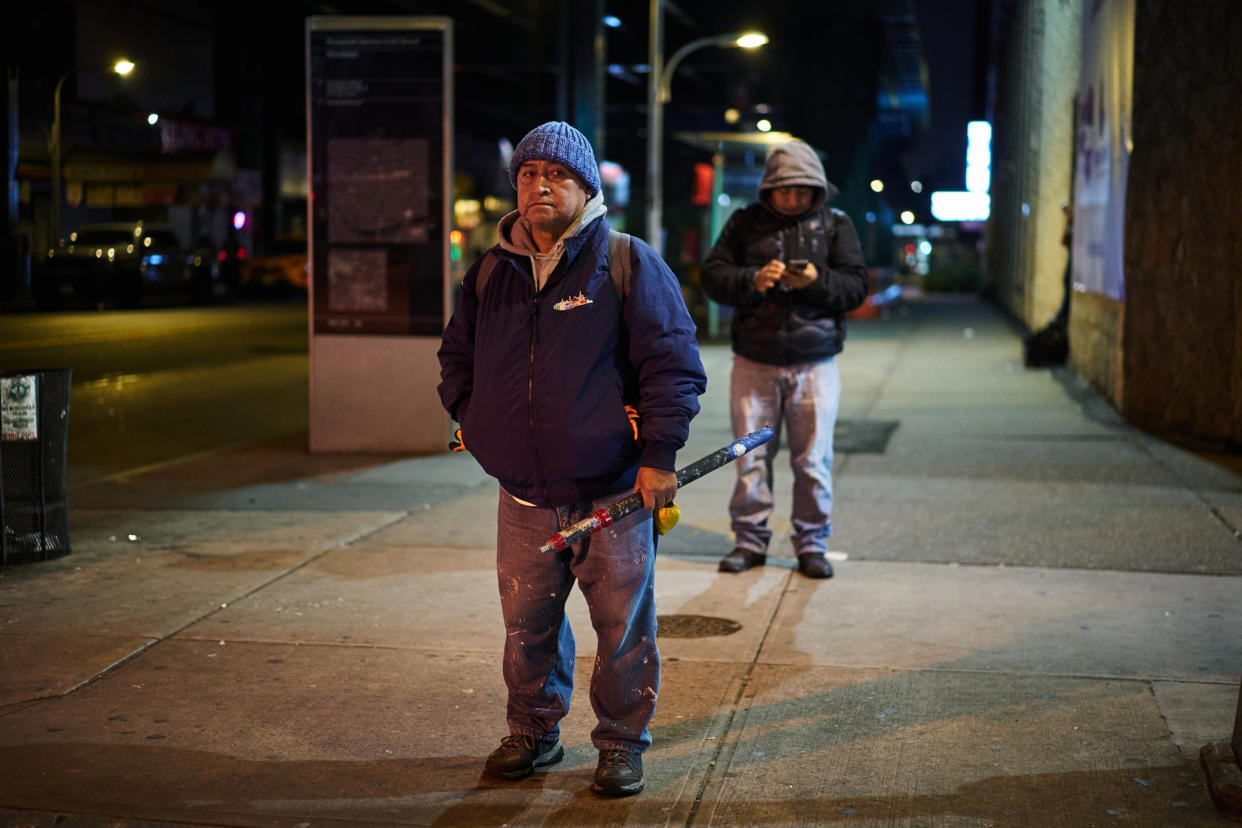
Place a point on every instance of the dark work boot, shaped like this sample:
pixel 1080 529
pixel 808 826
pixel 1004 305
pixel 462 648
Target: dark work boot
pixel 740 560
pixel 519 755
pixel 619 773
pixel 814 565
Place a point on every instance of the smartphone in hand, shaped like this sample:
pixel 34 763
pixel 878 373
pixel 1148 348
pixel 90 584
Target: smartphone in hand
pixel 795 276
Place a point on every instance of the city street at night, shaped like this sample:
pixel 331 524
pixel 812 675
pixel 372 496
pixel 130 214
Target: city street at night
pixel 156 385
pixel 945 293
pixel 1033 623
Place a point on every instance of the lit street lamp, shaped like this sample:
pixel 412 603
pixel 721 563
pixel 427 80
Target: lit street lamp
pixel 659 78
pixel 121 67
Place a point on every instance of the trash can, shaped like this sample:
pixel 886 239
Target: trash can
pixel 34 439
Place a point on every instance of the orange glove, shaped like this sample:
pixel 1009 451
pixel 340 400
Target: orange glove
pixel 457 444
pixel 632 413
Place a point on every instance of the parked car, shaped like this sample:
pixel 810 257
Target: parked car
pixel 280 267
pixel 213 272
pixel 121 262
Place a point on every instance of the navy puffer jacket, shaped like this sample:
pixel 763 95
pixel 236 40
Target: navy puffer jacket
pixel 539 381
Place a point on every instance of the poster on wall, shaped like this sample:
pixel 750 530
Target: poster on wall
pixel 379 96
pixel 1103 147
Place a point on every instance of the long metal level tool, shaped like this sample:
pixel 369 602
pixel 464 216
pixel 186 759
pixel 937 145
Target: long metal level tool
pixel 632 503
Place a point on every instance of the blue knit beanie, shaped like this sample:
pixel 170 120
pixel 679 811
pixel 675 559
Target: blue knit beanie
pixel 558 141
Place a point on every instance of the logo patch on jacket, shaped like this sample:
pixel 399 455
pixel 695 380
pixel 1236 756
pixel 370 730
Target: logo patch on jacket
pixel 573 302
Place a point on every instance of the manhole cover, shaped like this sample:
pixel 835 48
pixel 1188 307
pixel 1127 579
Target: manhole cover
pixel 695 626
pixel 863 436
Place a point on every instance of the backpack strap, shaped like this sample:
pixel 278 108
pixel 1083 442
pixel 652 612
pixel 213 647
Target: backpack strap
pixel 619 262
pixel 618 265
pixel 831 217
pixel 485 271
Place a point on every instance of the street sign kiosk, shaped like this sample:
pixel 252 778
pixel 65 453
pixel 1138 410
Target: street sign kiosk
pixel 379 152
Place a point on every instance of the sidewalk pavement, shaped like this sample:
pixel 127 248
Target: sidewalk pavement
pixel 1035 621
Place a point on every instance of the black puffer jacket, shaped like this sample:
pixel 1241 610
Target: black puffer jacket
pixel 783 326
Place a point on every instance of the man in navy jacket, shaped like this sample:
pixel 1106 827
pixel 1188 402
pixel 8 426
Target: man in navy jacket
pixel 572 392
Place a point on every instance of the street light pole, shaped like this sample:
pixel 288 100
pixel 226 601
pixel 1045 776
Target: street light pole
pixel 55 154
pixel 121 67
pixel 659 86
pixel 655 130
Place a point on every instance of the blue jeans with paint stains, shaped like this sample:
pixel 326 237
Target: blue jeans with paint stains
pixel 615 569
pixel 804 398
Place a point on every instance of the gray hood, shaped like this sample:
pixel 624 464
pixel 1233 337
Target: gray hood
pixel 795 164
pixel 514 231
pixel 515 236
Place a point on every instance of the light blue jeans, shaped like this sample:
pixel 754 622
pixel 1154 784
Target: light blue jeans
pixel 804 399
pixel 615 569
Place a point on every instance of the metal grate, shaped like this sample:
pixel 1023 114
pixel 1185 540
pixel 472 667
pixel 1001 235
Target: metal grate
pixel 863 436
pixel 695 626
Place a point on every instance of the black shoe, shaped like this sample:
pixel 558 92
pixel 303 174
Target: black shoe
pixel 519 755
pixel 814 565
pixel 740 560
pixel 619 773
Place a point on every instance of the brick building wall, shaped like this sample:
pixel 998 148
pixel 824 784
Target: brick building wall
pixel 1182 342
pixel 1057 78
pixel 1168 356
pixel 1036 59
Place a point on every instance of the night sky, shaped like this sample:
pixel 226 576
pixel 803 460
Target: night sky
pixel 817 77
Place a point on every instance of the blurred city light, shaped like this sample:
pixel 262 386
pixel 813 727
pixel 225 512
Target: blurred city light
pixel 877 186
pixel 907 217
pixel 153 118
pixel 467 214
pixel 957 205
pixel 763 125
pixel 974 204
pixel 123 66
pixel 616 183
pixel 612 21
pixel 752 40
pixel 978 156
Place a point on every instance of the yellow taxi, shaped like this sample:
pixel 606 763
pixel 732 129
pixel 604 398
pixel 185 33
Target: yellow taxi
pixel 279 267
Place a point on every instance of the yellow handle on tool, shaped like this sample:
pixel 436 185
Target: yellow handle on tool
pixel 666 518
